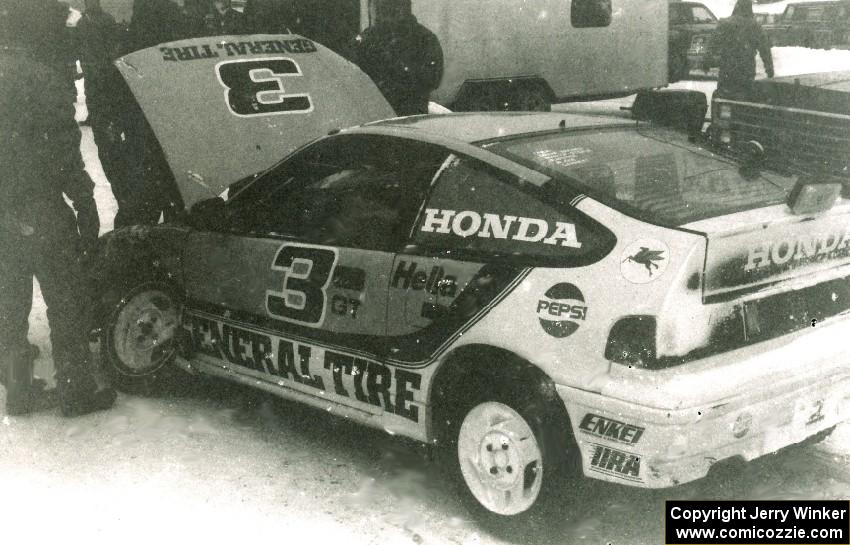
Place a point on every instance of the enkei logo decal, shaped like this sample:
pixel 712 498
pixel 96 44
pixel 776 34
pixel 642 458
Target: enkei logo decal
pixel 607 428
pixel 644 260
pixel 615 463
pixel 468 223
pixel 562 310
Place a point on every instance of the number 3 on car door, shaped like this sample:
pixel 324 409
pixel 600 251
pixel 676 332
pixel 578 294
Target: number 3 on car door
pixel 307 272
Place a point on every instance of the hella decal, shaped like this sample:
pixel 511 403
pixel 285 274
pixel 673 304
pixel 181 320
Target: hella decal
pixel 408 276
pixel 804 248
pixel 644 260
pixel 607 428
pixel 468 223
pixel 562 310
pixel 615 463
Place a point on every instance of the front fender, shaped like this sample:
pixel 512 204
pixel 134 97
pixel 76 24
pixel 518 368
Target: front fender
pixel 129 256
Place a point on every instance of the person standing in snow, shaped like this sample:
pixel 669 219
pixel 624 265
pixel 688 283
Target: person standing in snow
pixel 733 49
pixel 108 100
pixel 40 236
pixel 403 58
pixel 142 182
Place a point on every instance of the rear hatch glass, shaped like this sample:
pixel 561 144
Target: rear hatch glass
pixel 651 174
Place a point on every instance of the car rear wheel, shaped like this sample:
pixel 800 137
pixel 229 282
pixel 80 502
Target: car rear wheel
pixel 140 339
pixel 508 452
pixel 500 458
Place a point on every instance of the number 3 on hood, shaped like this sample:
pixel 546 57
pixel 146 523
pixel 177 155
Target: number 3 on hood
pixel 255 87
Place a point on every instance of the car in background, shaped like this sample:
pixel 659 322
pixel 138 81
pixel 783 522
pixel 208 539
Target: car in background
pixel 691 27
pixel 809 24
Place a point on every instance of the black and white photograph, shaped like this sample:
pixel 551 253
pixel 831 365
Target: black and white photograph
pixel 425 272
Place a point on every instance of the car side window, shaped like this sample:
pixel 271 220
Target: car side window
pixel 678 15
pixel 360 191
pixel 590 13
pixel 702 15
pixel 487 213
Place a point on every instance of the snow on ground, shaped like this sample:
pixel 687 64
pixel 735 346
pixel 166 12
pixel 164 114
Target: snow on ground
pixel 220 464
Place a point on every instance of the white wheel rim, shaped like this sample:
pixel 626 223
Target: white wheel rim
pixel 144 332
pixel 500 459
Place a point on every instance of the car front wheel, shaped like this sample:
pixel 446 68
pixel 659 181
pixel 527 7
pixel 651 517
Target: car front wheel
pixel 139 341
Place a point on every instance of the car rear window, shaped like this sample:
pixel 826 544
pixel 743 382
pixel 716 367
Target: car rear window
pixel 652 174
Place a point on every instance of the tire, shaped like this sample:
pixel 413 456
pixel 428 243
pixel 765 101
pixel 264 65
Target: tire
pixel 509 453
pixel 141 339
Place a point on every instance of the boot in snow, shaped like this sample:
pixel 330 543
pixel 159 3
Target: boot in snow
pixel 25 393
pixel 79 394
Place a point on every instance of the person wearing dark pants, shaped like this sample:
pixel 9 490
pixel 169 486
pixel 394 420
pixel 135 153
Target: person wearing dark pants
pixel 403 58
pixel 40 235
pixel 733 48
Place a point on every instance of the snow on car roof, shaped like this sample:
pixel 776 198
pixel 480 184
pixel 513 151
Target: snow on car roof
pixel 475 127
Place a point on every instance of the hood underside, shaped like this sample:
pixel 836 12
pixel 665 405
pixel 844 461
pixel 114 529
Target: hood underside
pixel 226 107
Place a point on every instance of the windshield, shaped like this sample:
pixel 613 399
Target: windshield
pixel 652 174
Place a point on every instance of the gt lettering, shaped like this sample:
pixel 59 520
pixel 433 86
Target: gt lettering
pixel 307 273
pixel 255 87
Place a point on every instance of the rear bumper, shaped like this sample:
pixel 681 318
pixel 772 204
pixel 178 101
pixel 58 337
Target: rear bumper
pixel 733 412
pixel 668 454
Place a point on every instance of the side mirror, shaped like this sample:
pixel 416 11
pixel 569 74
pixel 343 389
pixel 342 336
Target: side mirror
pixel 208 214
pixel 810 196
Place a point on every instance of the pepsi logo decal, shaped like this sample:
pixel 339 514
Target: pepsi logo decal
pixel 644 260
pixel 561 310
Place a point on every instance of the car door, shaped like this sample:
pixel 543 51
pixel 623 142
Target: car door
pixel 293 285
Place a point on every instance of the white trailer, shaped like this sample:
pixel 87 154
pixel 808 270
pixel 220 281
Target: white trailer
pixel 518 54
pixel 526 54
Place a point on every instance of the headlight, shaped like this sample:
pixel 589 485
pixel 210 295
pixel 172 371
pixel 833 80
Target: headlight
pixel 725 111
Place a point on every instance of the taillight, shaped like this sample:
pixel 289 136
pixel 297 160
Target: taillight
pixel 632 342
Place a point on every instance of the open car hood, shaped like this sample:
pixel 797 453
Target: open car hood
pixel 226 107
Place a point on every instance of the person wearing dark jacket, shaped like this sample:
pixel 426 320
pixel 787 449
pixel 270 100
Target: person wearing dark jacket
pixel 142 182
pixel 226 20
pixel 39 233
pixel 108 100
pixel 733 49
pixel 402 57
pixel 270 16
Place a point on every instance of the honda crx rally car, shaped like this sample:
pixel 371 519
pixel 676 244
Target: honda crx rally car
pixel 531 293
